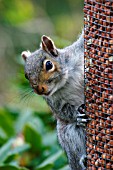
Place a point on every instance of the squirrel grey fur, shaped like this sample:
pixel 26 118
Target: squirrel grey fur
pixel 58 75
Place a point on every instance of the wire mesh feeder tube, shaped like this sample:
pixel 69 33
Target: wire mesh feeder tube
pixel 98 21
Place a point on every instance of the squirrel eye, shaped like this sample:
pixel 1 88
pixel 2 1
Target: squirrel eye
pixel 49 65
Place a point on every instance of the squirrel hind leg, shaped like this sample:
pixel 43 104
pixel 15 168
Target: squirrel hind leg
pixel 83 162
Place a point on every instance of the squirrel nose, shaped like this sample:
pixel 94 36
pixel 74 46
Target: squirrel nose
pixel 40 89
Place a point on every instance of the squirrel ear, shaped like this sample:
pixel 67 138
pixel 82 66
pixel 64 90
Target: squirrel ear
pixel 48 45
pixel 25 54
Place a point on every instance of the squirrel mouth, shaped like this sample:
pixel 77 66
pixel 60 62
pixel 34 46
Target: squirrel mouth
pixel 42 93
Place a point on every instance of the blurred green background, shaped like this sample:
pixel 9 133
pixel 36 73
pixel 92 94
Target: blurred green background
pixel 28 137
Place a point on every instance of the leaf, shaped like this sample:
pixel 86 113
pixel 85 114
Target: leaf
pixel 3 136
pixel 65 168
pixel 33 137
pixel 10 167
pixel 24 117
pixel 61 161
pixel 46 167
pixel 19 149
pixel 50 138
pixel 50 160
pixel 5 119
pixel 5 149
pixel 37 124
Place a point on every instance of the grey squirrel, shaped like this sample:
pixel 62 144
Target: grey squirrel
pixel 58 75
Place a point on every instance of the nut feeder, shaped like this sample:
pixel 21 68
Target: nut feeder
pixel 98 28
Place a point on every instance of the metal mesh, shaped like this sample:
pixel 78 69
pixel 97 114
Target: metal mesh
pixel 98 21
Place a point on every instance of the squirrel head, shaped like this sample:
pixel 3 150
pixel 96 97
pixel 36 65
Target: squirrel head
pixel 44 68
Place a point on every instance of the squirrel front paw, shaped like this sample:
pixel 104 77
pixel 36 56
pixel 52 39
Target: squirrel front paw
pixel 82 118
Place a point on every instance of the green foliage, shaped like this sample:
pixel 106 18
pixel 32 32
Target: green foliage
pixel 31 144
pixel 10 167
pixel 14 12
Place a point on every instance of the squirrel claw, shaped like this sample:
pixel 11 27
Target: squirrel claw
pixel 82 118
